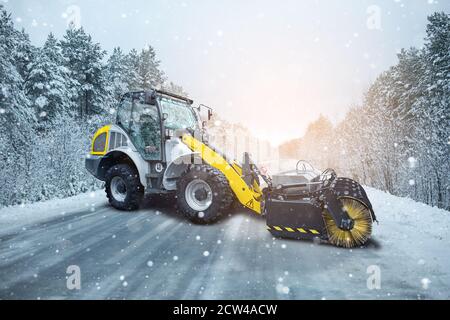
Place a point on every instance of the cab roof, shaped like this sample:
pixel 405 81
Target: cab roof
pixel 160 92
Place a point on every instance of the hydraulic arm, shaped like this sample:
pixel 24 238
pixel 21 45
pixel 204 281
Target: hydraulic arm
pixel 248 195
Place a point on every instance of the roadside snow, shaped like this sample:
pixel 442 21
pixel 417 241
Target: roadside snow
pixel 409 212
pixel 22 215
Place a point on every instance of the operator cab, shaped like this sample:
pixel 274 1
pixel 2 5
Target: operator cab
pixel 146 116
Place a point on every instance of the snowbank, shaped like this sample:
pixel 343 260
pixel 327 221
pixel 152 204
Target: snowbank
pixel 21 215
pixel 407 211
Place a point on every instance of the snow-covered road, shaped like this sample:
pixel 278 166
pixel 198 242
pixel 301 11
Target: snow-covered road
pixel 154 254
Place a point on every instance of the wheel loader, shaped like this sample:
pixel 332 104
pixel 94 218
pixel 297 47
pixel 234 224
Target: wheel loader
pixel 159 146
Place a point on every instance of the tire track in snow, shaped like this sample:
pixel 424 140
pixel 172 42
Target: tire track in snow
pixel 209 276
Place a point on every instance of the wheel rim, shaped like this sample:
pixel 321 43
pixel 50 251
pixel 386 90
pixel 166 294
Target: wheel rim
pixel 118 189
pixel 361 231
pixel 198 195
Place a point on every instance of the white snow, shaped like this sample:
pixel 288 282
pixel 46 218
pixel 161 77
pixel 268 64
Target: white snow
pixel 25 214
pixel 390 208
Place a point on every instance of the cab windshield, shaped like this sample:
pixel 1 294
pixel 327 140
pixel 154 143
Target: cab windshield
pixel 180 115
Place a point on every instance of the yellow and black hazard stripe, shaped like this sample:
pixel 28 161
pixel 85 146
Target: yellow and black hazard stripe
pixel 294 230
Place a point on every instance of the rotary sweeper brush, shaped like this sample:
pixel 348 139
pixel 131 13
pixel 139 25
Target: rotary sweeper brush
pixel 158 145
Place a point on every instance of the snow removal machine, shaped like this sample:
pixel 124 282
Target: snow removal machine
pixel 159 145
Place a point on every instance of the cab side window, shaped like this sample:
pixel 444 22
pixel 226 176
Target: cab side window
pixel 124 113
pixel 145 130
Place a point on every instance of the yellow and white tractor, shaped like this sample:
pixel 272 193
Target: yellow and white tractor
pixel 159 145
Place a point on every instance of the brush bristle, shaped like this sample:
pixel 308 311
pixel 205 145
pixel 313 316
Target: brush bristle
pixel 361 231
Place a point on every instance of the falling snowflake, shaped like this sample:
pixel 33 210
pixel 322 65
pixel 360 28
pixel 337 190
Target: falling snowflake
pixel 425 283
pixel 150 263
pixel 206 253
pixel 412 162
pixel 282 289
pixel 175 258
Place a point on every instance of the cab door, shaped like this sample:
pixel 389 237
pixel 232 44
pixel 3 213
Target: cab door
pixel 143 123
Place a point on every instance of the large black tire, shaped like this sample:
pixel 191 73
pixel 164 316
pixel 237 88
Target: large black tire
pixel 221 194
pixel 132 191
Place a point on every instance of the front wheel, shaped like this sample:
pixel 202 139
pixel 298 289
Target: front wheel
pixel 123 187
pixel 203 194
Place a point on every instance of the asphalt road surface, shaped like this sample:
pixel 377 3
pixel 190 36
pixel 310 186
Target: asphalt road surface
pixel 155 254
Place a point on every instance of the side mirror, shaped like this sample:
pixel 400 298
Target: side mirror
pixel 165 116
pixel 210 113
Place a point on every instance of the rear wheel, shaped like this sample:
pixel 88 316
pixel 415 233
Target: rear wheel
pixel 361 230
pixel 123 187
pixel 203 194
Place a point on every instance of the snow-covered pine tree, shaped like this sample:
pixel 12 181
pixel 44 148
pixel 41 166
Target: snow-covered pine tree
pixel 435 117
pixel 174 88
pixel 49 85
pixel 24 53
pixel 132 70
pixel 117 73
pixel 351 155
pixel 143 70
pixel 149 74
pixel 317 140
pixel 16 116
pixel 83 58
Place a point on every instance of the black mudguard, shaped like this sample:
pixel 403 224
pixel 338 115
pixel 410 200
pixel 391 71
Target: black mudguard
pixel 345 187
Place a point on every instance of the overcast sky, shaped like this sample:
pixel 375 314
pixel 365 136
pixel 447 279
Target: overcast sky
pixel 273 66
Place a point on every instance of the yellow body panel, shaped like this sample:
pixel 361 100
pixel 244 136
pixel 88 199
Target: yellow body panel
pixel 248 197
pixel 100 131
